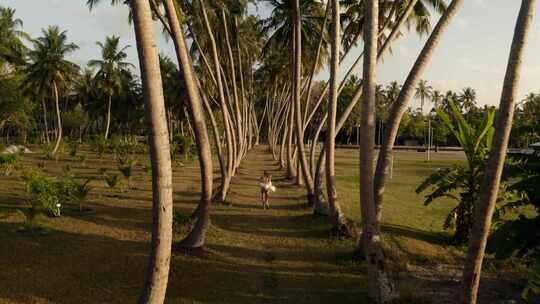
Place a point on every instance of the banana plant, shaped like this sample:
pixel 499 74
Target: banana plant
pixel 461 183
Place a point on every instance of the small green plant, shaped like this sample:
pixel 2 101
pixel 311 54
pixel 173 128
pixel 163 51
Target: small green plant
pixel 111 179
pixel 45 196
pixel 127 170
pixel 47 151
pixel 533 282
pixel 75 192
pixel 181 222
pixel 99 145
pixel 182 145
pixel 8 163
pixel 147 167
pixel 82 159
pixel 73 149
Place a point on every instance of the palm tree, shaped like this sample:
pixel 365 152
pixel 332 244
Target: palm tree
pixel 48 68
pixel 405 96
pixel 495 163
pixel 12 48
pixel 197 236
pixel 109 71
pixel 336 216
pixel 158 268
pixel 423 92
pixel 380 287
pixel 467 99
pixel 436 98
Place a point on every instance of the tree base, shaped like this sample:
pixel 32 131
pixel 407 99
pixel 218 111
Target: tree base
pixel 346 230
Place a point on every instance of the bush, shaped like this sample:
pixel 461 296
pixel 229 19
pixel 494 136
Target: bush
pixel 74 192
pixel 125 166
pixel 111 179
pixel 8 163
pixel 99 144
pixel 182 145
pixel 45 196
pixel 73 149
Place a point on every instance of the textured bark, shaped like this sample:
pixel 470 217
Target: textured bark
pixel 317 55
pixel 58 119
pixel 223 104
pixel 303 169
pixel 199 126
pixel 239 131
pixel 162 204
pixel 404 98
pixel 495 163
pixel 380 287
pixel 45 121
pixel 107 126
pixel 335 212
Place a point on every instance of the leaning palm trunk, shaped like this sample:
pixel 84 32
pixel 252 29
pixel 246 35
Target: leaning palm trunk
pixel 389 39
pixel 317 56
pixel 239 131
pixel 45 121
pixel 224 109
pixel 380 287
pixel 335 213
pixel 495 163
pixel 299 125
pixel 109 117
pixel 162 207
pixel 58 119
pixel 196 237
pixel 404 98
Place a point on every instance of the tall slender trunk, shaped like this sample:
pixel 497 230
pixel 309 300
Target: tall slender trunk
pixel 239 131
pixel 400 105
pixel 224 110
pixel 495 163
pixel 291 172
pixel 335 213
pixel 45 121
pixel 317 56
pixel 162 204
pixel 380 287
pixel 108 117
pixel 197 236
pixel 58 119
pixel 303 170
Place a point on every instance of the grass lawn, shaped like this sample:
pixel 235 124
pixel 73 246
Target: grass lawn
pixel 281 255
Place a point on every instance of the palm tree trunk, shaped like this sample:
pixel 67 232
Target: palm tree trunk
pixel 45 122
pixel 380 287
pixel 196 237
pixel 239 141
pixel 495 163
pixel 224 110
pixel 58 119
pixel 400 105
pixel 314 67
pixel 335 214
pixel 108 117
pixel 162 207
pixel 303 170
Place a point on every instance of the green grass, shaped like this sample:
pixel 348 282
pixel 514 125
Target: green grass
pixel 281 255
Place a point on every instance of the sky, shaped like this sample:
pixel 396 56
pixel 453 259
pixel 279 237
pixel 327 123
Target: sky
pixel 472 53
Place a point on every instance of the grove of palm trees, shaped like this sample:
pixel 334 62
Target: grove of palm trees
pixel 271 151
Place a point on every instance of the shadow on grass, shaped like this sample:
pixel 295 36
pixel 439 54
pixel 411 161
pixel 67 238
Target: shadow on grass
pixel 293 226
pixel 64 267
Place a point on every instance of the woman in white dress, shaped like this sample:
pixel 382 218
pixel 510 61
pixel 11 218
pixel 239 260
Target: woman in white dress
pixel 266 186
